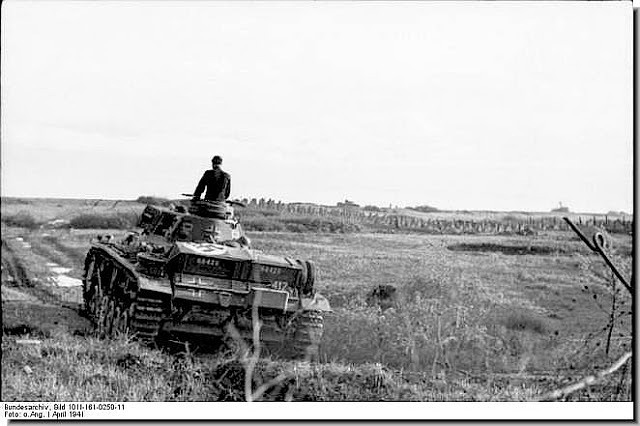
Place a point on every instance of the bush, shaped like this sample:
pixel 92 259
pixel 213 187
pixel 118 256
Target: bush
pixel 424 209
pixel 297 224
pixel 318 224
pixel 433 327
pixel 102 221
pixel 439 326
pixel 256 212
pixel 150 199
pixel 21 219
pixel 262 224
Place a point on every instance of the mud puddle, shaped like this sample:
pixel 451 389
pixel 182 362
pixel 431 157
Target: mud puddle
pixel 60 277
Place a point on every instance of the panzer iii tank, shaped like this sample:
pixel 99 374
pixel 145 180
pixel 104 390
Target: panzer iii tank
pixel 191 271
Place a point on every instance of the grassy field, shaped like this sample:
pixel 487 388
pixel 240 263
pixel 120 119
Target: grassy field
pixel 475 318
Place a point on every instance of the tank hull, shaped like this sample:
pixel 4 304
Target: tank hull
pixel 154 286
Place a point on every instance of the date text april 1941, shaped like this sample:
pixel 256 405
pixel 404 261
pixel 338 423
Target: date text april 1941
pixel 71 410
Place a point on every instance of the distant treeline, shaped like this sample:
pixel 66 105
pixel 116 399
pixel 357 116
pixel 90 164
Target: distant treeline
pixel 270 215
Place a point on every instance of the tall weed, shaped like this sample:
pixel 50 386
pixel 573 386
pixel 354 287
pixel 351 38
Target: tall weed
pixel 437 326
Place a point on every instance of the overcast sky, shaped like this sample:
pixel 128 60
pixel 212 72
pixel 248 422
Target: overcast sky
pixel 470 105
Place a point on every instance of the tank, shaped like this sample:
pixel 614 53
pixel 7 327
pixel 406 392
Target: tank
pixel 189 270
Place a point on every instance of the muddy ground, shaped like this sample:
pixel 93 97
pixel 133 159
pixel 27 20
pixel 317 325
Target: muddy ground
pixel 32 303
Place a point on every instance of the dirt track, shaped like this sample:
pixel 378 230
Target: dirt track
pixel 31 307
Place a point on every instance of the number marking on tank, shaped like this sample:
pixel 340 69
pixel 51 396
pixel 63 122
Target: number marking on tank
pixel 207 261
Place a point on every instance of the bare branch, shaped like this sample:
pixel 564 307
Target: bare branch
pixel 253 358
pixel 258 393
pixel 587 381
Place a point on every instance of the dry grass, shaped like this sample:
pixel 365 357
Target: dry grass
pixel 45 210
pixel 484 313
pixel 22 219
pixel 469 325
pixel 122 220
pixel 72 368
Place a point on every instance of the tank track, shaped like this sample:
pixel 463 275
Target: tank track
pixel 115 303
pixel 309 327
pixel 296 336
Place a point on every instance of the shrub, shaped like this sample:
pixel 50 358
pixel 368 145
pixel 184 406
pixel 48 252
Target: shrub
pixel 21 219
pixel 104 221
pixel 318 224
pixel 433 328
pixel 424 209
pixel 150 199
pixel 262 224
pixel 297 224
pixel 257 212
pixel 511 218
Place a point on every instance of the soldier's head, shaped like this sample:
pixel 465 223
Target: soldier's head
pixel 216 160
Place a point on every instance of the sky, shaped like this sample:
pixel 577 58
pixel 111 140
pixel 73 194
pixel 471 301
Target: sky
pixel 456 105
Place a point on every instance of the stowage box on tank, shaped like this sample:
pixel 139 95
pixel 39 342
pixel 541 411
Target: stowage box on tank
pixel 192 272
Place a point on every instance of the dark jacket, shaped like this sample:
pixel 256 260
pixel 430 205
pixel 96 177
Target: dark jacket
pixel 218 185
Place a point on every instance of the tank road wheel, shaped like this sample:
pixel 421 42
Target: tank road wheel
pixel 112 301
pixel 309 327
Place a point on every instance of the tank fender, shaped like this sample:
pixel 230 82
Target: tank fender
pixel 157 286
pixel 317 303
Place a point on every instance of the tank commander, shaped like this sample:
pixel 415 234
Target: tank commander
pixel 217 182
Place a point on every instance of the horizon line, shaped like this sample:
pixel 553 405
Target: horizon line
pixel 394 207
